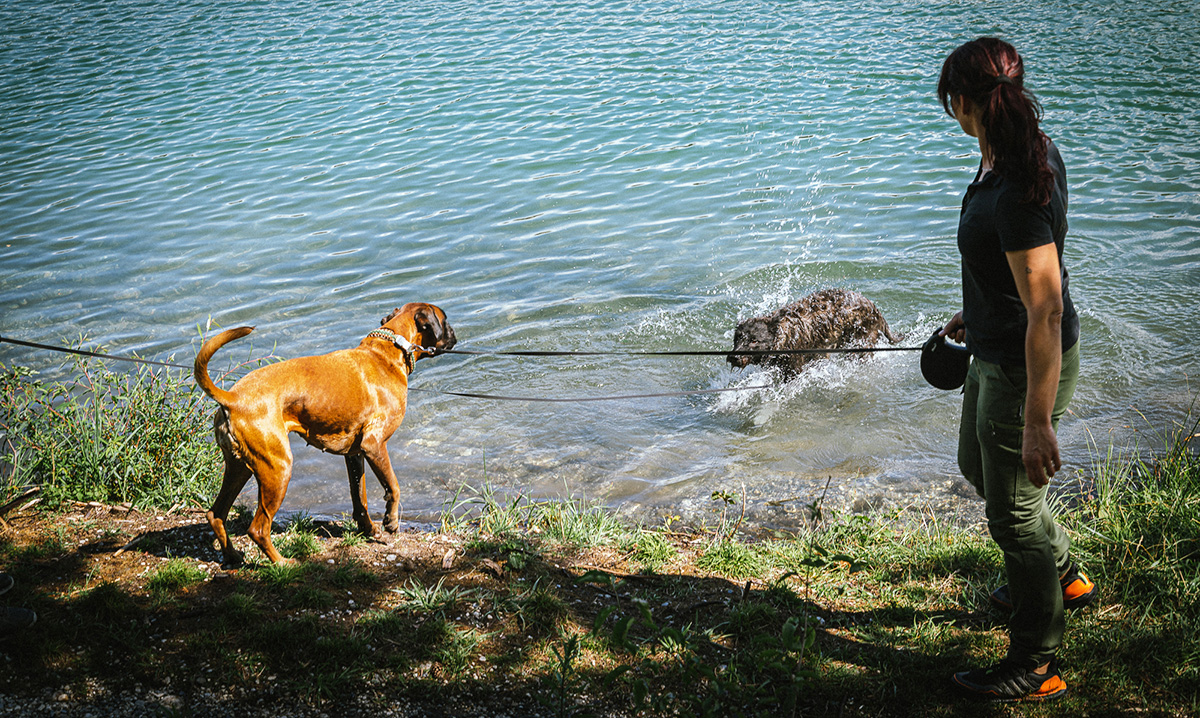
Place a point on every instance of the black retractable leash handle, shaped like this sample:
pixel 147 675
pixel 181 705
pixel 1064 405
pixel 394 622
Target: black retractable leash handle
pixel 944 365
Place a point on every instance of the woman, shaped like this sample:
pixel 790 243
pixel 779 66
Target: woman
pixel 1023 332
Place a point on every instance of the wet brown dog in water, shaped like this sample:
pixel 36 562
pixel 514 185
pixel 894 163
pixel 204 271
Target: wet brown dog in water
pixel 347 402
pixel 828 319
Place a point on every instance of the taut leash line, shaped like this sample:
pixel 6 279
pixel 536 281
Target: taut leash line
pixel 86 353
pixel 467 395
pixel 679 353
pixel 533 353
pixel 588 399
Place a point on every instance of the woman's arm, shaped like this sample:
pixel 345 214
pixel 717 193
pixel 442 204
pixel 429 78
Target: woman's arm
pixel 1039 282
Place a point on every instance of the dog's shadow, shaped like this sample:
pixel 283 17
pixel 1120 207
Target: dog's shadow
pixel 193 540
pixel 196 541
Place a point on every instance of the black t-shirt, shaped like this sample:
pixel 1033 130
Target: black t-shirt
pixel 994 220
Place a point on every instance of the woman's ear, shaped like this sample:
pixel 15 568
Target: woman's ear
pixel 958 105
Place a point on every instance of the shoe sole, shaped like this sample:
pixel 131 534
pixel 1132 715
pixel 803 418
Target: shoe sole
pixel 1031 698
pixel 993 698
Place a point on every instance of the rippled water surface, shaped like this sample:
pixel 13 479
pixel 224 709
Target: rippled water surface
pixel 591 176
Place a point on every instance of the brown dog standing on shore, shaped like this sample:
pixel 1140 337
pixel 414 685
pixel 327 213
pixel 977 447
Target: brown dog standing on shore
pixel 348 402
pixel 827 319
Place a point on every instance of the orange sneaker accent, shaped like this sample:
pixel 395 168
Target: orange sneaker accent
pixel 1078 591
pixel 1053 687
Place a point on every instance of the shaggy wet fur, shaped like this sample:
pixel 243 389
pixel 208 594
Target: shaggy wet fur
pixel 828 319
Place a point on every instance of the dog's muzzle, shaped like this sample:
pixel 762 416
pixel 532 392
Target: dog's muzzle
pixel 739 361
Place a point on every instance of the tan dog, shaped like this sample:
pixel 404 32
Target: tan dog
pixel 348 402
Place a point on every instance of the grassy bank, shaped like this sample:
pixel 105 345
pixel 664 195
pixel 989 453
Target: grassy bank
pixel 549 608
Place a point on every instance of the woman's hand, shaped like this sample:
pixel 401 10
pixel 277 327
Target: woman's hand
pixel 1039 452
pixel 956 329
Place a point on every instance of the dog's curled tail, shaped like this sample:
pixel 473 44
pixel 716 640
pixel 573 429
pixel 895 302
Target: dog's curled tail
pixel 200 369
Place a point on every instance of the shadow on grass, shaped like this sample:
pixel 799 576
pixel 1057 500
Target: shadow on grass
pixel 443 626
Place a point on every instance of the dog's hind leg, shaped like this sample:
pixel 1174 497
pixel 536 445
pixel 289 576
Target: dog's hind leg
pixel 237 473
pixel 358 493
pixel 273 477
pixel 236 476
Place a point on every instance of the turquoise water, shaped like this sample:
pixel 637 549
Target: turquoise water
pixel 591 176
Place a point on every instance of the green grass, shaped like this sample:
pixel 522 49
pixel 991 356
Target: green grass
pixel 174 576
pixel 650 550
pixel 299 540
pixel 541 610
pixel 733 559
pixel 1139 538
pixel 284 576
pixel 573 522
pixel 437 599
pixel 141 438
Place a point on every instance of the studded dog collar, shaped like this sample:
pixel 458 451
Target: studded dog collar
pixel 405 346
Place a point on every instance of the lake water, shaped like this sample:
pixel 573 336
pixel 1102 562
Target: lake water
pixel 593 175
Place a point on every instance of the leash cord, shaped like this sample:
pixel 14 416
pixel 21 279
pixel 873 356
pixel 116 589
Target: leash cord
pixel 586 399
pixel 680 353
pixel 86 353
pixel 530 353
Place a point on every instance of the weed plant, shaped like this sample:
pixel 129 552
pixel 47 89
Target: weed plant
pixel 175 575
pixel 299 540
pixel 650 550
pixel 731 558
pixel 541 610
pixel 573 522
pixel 139 438
pixel 438 599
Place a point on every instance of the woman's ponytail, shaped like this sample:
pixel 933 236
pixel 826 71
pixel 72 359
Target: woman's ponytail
pixel 991 75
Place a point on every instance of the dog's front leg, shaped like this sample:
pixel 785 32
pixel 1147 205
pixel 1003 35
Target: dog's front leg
pixel 381 464
pixel 358 493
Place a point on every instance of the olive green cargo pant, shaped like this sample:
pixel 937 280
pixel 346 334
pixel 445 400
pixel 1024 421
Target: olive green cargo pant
pixel 1035 548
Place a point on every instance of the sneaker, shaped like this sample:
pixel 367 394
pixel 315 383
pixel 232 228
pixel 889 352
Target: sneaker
pixel 14 619
pixel 1078 591
pixel 1007 682
pixel 6 582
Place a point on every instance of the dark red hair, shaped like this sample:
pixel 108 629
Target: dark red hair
pixel 990 74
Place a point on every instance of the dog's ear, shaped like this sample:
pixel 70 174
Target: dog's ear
pixel 427 319
pixel 390 317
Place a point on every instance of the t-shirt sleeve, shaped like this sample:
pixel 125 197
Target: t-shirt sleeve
pixel 1022 225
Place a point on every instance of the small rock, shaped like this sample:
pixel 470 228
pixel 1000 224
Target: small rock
pixel 491 567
